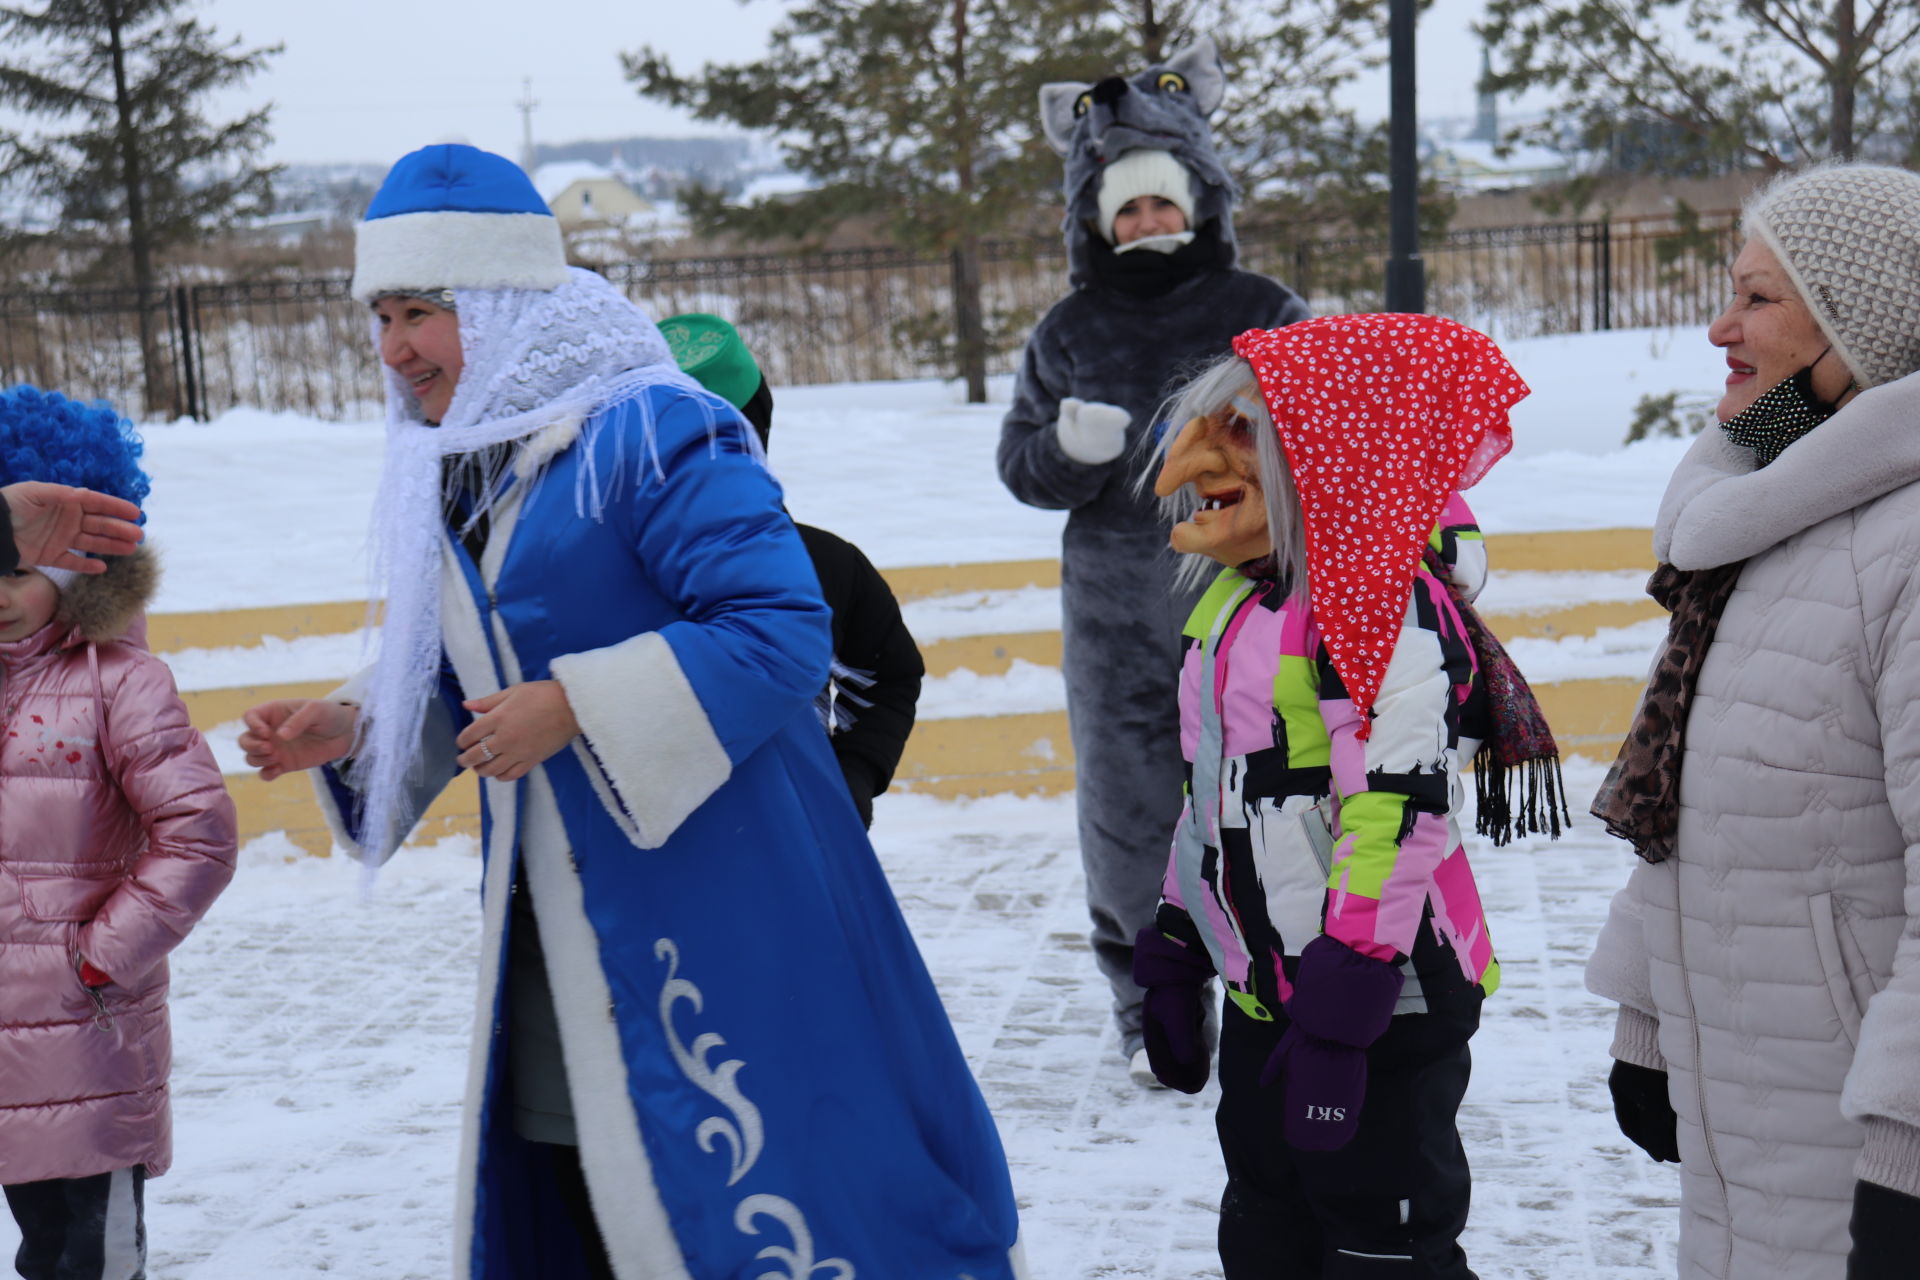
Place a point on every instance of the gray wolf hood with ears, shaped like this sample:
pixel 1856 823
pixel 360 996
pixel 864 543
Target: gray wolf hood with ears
pixel 1163 108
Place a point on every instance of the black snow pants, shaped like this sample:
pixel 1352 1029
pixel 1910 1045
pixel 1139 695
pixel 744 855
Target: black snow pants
pixel 1391 1204
pixel 82 1228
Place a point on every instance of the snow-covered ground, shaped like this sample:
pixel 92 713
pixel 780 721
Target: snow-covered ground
pixel 321 1041
pixel 321 1036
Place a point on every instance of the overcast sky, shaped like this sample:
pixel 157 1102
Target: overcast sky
pixel 373 79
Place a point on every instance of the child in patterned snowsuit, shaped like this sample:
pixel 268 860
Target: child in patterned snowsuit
pixel 1327 690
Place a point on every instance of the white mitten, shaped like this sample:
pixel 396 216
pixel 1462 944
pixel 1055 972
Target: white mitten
pixel 1092 432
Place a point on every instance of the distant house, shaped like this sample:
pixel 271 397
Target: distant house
pixel 287 229
pixel 1475 163
pixel 1470 164
pixel 775 186
pixel 585 195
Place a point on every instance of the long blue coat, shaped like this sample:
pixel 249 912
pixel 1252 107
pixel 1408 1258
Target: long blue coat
pixel 765 1082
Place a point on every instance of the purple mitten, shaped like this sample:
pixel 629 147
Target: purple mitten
pixel 1322 1087
pixel 1343 996
pixel 1342 1002
pixel 1172 1012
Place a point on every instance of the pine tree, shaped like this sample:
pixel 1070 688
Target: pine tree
pixel 1688 85
pixel 128 158
pixel 919 114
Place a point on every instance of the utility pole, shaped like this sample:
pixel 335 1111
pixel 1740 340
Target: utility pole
pixel 1406 273
pixel 526 104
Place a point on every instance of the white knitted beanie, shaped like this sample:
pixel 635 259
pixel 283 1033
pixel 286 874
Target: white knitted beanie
pixel 1143 173
pixel 1849 238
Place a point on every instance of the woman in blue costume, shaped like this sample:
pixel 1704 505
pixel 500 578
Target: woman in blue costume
pixel 707 1047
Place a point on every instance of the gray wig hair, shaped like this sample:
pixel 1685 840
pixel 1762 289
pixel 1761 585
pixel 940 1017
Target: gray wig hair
pixel 1229 384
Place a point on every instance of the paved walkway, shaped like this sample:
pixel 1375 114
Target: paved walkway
pixel 321 1047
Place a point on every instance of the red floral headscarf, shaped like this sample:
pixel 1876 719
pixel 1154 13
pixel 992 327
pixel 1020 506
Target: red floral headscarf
pixel 1383 418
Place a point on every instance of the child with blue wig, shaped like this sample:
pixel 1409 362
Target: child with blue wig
pixel 118 835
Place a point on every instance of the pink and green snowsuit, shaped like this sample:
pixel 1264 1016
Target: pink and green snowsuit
pixel 1293 824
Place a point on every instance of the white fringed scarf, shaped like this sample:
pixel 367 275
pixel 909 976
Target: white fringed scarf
pixel 532 359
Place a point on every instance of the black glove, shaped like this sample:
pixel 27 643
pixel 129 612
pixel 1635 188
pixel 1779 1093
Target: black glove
pixel 1886 1224
pixel 1644 1112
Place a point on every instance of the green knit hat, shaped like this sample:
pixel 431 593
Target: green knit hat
pixel 712 352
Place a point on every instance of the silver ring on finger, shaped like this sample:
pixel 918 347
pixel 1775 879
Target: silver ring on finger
pixel 487 755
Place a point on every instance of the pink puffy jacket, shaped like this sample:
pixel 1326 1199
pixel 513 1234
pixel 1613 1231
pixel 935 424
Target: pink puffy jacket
pixel 116 835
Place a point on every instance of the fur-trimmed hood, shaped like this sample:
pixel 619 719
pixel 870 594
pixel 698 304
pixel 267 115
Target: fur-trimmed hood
pixel 100 607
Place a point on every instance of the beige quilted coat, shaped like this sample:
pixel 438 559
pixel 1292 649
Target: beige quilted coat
pixel 1772 968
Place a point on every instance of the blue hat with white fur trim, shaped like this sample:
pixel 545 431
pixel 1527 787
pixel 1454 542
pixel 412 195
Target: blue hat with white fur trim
pixel 456 217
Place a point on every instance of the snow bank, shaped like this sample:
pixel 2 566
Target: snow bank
pixel 259 508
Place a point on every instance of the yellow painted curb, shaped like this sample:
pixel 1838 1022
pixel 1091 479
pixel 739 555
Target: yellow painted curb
pixel 1592 550
pixel 1028 754
pixel 964 756
pixel 970 746
pixel 232 628
pixel 991 655
pixel 210 707
pixel 287 804
pixel 1574 620
pixel 1042 782
pixel 1571 551
pixel 924 582
pixel 1590 718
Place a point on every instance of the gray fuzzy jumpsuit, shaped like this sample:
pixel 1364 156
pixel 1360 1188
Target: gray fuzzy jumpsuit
pixel 1122 614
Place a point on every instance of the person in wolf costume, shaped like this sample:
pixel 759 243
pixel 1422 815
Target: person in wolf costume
pixel 1149 300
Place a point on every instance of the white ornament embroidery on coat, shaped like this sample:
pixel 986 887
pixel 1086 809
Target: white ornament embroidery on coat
pixel 798 1260
pixel 745 1133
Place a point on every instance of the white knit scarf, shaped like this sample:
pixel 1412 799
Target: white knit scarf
pixel 532 359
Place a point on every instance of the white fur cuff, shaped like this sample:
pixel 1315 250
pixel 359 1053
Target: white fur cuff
pixel 650 749
pixel 1090 432
pixel 433 769
pixel 449 249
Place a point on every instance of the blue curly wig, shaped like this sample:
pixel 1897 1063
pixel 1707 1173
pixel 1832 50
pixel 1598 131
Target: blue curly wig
pixel 44 436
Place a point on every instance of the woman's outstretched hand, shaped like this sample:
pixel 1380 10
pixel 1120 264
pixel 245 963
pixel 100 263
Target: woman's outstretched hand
pixel 297 733
pixel 515 729
pixel 65 528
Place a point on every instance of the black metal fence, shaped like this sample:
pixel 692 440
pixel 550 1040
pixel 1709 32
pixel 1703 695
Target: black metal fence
pixel 845 315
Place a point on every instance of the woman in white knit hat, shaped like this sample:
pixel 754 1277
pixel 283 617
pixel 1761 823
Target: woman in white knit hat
pixel 1765 953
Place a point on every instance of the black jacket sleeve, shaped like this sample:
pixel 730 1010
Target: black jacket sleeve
pixel 870 637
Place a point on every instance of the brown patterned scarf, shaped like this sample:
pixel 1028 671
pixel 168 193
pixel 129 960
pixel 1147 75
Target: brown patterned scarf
pixel 1640 800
